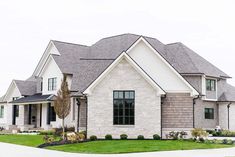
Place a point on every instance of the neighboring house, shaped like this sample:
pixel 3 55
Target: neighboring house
pixel 123 84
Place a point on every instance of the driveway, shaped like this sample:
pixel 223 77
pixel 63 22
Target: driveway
pixel 10 150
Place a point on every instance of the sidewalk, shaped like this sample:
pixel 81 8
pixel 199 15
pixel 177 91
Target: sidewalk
pixel 10 150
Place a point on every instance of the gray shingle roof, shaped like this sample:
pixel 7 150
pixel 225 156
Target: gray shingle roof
pixel 228 94
pixel 180 55
pixel 26 87
pixel 34 98
pixel 86 63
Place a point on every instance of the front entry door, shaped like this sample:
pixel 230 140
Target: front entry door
pixel 32 115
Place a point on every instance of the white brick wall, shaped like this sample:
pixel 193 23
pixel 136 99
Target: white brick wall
pixel 147 105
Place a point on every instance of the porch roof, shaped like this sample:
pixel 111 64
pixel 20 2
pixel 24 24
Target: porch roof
pixel 36 98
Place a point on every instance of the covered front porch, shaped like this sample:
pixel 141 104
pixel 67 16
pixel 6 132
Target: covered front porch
pixel 34 112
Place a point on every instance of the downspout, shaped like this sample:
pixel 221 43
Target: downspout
pixel 228 107
pixel 78 112
pixel 162 98
pixel 86 115
pixel 194 102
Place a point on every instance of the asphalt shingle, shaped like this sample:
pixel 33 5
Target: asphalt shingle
pixel 26 87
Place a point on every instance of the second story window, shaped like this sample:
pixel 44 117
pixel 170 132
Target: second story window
pixel 210 85
pixel 52 84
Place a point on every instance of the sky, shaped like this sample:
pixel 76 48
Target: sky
pixel 27 26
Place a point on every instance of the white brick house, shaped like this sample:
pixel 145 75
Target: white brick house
pixel 122 84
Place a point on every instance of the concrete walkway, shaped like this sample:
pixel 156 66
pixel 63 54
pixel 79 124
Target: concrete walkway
pixel 10 150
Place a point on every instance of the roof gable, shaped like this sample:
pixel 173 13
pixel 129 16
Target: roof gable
pixel 158 68
pixel 10 91
pixel 51 49
pixel 160 91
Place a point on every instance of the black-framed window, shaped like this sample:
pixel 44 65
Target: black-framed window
pixel 17 110
pixel 52 114
pixel 123 107
pixel 2 111
pixel 210 85
pixel 16 107
pixel 52 84
pixel 209 113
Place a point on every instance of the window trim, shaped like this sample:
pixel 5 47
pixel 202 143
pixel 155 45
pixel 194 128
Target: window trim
pixel 211 117
pixel 123 98
pixel 53 85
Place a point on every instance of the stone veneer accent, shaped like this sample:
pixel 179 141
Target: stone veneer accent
pixel 147 105
pixel 177 111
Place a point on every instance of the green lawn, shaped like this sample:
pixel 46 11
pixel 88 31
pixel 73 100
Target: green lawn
pixel 26 140
pixel 113 146
pixel 130 146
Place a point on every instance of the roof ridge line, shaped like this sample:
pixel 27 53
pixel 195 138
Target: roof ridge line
pixel 177 42
pixel 119 35
pixel 69 43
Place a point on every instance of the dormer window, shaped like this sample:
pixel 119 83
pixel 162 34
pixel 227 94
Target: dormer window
pixel 52 84
pixel 210 85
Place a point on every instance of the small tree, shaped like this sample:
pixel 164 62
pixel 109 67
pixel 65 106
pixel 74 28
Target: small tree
pixel 62 102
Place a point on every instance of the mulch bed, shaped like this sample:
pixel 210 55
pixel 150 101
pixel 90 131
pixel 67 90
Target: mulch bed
pixel 58 143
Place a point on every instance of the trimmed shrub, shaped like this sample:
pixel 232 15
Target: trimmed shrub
pixel 93 138
pixel 225 141
pixel 123 136
pixel 47 132
pixel 156 137
pixel 108 137
pixel 210 131
pixel 140 137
